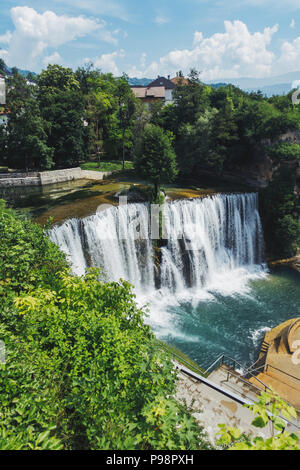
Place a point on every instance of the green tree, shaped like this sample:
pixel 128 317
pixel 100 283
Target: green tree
pixel 195 144
pixel 26 143
pixel 2 67
pixel 126 103
pixel 63 108
pixel 284 151
pixel 101 106
pixel 225 133
pixel 191 99
pixel 280 209
pixel 156 159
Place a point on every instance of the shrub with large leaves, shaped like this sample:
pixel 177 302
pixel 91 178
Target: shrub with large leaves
pixel 82 370
pixel 114 387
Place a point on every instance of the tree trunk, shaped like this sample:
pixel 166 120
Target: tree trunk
pixel 156 192
pixel 123 148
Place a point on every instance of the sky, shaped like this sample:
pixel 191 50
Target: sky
pixel 221 39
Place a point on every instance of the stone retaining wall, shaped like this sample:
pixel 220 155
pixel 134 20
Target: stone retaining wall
pixel 15 181
pixel 50 177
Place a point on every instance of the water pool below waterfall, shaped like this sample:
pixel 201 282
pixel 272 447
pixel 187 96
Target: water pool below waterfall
pixel 212 293
pixel 231 318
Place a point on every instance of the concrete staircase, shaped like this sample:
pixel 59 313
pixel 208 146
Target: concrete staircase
pixel 279 371
pixel 274 381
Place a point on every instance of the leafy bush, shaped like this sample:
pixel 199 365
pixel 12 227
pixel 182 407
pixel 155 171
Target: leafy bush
pixel 83 370
pixel 269 410
pixel 280 209
pixel 27 258
pixel 284 151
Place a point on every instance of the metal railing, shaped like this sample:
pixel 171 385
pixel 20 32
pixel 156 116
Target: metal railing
pixel 239 399
pixel 281 371
pixel 233 362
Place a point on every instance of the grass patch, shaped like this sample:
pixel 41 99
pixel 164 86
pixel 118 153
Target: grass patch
pixel 180 357
pixel 113 165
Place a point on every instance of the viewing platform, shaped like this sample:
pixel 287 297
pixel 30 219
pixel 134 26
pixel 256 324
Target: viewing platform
pixel 219 395
pixel 280 362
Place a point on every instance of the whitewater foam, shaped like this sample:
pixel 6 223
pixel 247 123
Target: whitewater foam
pixel 214 247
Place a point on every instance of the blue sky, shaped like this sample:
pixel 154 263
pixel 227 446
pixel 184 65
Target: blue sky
pixel 223 39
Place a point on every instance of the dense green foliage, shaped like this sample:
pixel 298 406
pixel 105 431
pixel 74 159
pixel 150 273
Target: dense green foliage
pixel 284 151
pixel 228 131
pixel 223 128
pixel 27 258
pixel 64 118
pixel 280 206
pixel 82 371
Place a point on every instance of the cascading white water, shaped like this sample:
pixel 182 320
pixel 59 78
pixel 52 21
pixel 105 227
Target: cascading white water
pixel 204 238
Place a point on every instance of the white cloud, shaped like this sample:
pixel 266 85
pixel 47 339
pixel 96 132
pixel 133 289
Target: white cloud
pixel 54 58
pixel 35 33
pixel 107 62
pixel 290 56
pixel 161 19
pixel 138 72
pixel 293 24
pixel 3 54
pixel 198 36
pixel 143 60
pixel 6 38
pixel 236 52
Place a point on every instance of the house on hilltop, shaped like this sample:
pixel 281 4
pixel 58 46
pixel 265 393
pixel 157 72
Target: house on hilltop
pixel 161 89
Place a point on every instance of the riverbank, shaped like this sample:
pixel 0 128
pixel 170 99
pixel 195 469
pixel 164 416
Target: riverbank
pixel 293 263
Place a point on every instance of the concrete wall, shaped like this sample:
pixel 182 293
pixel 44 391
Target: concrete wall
pixel 18 175
pixel 12 182
pixel 59 176
pixel 50 177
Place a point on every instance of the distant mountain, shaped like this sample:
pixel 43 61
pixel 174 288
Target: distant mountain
pixel 217 85
pixel 280 89
pixel 140 81
pixel 278 85
pixel 24 73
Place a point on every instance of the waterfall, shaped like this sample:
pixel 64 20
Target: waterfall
pixel 204 237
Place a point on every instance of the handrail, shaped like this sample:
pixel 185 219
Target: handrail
pixel 235 362
pixel 249 371
pixel 214 363
pixel 227 393
pixel 215 386
pixel 259 358
pixel 240 377
pixel 282 371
